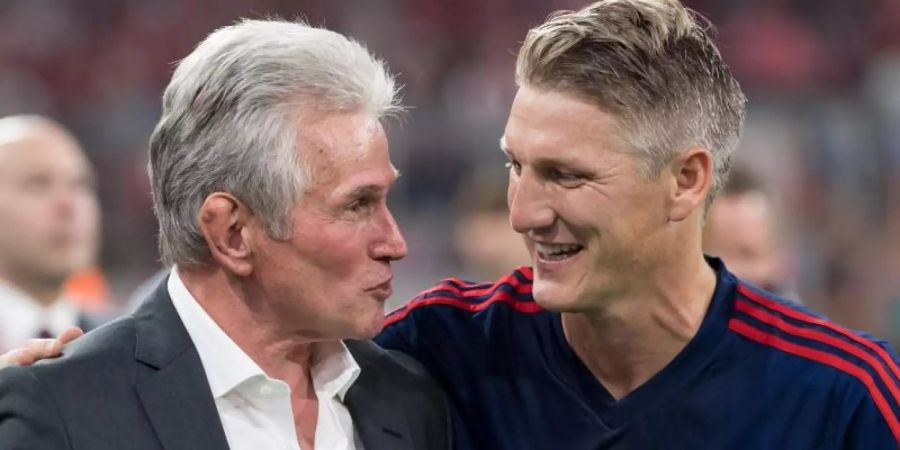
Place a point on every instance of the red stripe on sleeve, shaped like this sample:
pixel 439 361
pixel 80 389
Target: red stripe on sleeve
pixel 515 283
pixel 511 279
pixel 825 338
pixel 828 359
pixel 792 313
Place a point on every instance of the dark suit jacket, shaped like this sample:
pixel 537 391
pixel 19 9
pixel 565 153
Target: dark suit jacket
pixel 138 383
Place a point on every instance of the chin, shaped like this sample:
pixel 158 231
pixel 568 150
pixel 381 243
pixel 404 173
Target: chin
pixel 368 329
pixel 553 297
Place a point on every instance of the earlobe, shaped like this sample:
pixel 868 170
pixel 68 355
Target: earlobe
pixel 692 172
pixel 223 223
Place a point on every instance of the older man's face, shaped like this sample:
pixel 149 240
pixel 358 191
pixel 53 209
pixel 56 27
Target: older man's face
pixel 593 224
pixel 49 225
pixel 330 280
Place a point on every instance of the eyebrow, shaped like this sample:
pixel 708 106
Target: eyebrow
pixel 569 163
pixel 366 191
pixel 503 146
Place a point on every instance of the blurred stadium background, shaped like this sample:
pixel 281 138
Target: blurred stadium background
pixel 823 130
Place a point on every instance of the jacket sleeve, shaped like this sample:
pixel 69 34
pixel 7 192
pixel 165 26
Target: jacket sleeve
pixel 873 426
pixel 29 418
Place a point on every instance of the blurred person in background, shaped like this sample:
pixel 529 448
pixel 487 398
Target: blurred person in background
pixel 742 228
pixel 49 228
pixel 89 289
pixel 485 244
pixel 270 171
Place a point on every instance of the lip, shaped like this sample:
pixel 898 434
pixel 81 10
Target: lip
pixel 382 291
pixel 546 267
pixel 542 242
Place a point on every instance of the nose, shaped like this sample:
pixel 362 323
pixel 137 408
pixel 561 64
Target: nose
pixel 390 246
pixel 529 206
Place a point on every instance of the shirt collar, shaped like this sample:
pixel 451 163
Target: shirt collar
pixel 225 364
pixel 333 369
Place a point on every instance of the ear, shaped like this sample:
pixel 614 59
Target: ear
pixel 223 222
pixel 692 172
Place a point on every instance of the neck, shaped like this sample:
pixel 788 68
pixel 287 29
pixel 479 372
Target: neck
pixel 632 339
pixel 279 354
pixel 45 292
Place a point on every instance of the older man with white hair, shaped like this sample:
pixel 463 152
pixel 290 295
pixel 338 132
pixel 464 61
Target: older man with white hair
pixel 270 172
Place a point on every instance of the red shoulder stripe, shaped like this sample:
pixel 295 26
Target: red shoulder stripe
pixel 828 359
pixel 825 338
pixel 514 282
pixel 510 279
pixel 502 297
pixel 792 313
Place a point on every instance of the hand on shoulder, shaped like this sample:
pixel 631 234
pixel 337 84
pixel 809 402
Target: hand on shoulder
pixel 37 349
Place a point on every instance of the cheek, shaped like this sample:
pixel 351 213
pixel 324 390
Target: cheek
pixel 29 219
pixel 583 213
pixel 89 218
pixel 337 251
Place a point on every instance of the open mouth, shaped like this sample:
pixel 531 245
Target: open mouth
pixel 557 252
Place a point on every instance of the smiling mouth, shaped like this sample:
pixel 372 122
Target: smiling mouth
pixel 557 252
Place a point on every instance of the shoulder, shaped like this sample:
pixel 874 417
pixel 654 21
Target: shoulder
pixel 456 323
pixel 113 340
pixel 856 366
pixel 453 297
pixel 28 416
pixel 43 399
pixel 392 364
pixel 794 329
pixel 398 376
pixel 97 356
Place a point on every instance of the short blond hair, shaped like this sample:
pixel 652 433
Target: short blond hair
pixel 651 64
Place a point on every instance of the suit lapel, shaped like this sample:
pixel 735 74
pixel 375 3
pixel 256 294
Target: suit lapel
pixel 174 391
pixel 381 425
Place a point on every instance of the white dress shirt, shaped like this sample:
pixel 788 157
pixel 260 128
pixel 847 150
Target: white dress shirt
pixel 22 317
pixel 254 408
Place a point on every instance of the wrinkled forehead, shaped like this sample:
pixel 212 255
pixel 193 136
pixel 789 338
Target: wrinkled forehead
pixel 341 146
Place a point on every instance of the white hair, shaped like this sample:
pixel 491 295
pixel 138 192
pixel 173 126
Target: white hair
pixel 230 116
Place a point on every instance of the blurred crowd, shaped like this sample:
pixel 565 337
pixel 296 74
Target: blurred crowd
pixel 822 132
